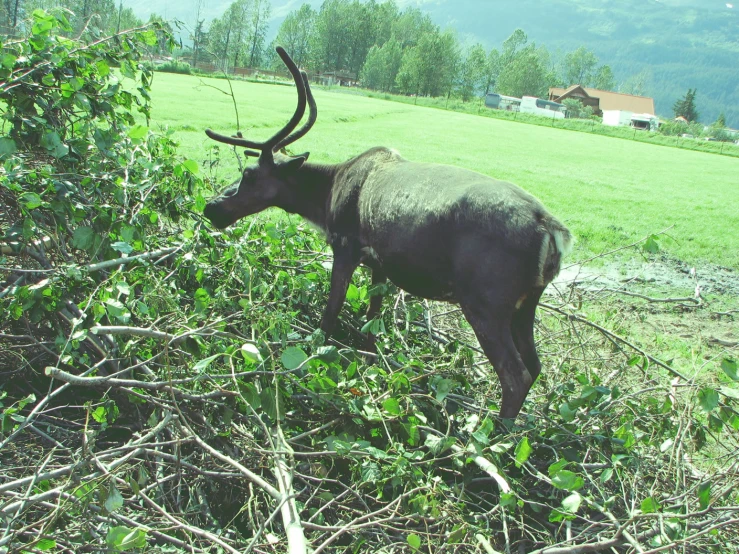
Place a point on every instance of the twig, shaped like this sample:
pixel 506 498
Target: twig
pixel 613 336
pixel 692 299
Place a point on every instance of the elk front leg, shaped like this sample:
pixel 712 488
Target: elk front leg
pixel 341 276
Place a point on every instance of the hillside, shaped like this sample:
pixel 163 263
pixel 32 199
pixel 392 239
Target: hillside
pixel 680 43
pixel 673 44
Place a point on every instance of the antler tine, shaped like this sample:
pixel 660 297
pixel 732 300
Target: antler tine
pixel 234 141
pixel 299 110
pixel 270 144
pixel 312 115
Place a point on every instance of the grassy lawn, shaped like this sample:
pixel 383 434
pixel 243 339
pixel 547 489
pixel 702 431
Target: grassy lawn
pixel 609 191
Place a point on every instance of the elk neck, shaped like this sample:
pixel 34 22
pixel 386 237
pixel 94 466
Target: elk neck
pixel 309 192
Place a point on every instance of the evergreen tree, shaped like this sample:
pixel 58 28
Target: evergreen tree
pixel 685 107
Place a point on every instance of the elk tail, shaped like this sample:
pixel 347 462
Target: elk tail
pixel 557 242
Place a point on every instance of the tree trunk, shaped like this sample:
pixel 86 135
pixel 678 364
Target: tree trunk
pixel 256 36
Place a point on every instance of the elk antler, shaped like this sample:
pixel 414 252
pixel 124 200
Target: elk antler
pixel 312 115
pixel 283 137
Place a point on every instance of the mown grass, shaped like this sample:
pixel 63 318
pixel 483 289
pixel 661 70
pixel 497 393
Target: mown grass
pixel 609 191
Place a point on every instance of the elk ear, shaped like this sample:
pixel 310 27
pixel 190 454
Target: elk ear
pixel 294 163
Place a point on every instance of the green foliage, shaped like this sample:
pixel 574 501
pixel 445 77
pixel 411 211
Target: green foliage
pixel 174 66
pixel 296 36
pixel 474 73
pixel 576 109
pixel 381 68
pixel 685 107
pixel 237 38
pixel 526 74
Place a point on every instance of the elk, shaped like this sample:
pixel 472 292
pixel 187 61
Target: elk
pixel 437 231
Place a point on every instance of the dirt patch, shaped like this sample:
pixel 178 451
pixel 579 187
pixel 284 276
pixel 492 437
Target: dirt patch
pixel 665 273
pixel 663 299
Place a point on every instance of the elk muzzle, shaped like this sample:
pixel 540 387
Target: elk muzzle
pixel 218 213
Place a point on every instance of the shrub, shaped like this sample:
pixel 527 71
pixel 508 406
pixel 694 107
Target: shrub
pixel 174 66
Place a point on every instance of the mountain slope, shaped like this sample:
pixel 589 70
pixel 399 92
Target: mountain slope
pixel 680 44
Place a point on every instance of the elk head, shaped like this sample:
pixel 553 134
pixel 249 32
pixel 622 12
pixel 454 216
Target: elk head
pixel 261 186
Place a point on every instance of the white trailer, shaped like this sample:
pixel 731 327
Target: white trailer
pixel 617 118
pixel 547 108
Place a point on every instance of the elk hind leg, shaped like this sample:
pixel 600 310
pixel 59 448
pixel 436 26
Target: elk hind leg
pixel 375 304
pixel 522 329
pixel 492 326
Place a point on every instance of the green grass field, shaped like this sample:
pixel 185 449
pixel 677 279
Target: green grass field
pixel 609 191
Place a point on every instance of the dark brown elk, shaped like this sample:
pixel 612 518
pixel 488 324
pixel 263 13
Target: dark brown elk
pixel 437 231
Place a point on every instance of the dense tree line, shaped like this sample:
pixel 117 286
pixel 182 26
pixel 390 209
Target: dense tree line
pixel 403 51
pixel 390 49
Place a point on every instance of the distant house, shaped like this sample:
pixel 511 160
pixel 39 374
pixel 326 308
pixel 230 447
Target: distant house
pixel 601 100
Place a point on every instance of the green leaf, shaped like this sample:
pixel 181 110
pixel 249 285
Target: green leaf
pixel 42 22
pixel 508 499
pixel 53 143
pixel 205 362
pixel 414 541
pixel 31 200
pixel 251 353
pixel 202 299
pixel 730 368
pixel 708 399
pixel 567 480
pixel 458 535
pixel 328 354
pixel 523 451
pixel 704 495
pixel 392 406
pixel 122 539
pixel 567 413
pixel 191 166
pixel 149 37
pixel 103 68
pixel 443 388
pixel 123 287
pixel 7 60
pixel 114 502
pixel 83 238
pixel 7 147
pixel 267 398
pixel 122 247
pixel 138 132
pixel 370 472
pixel 649 505
pixel 45 544
pixel 486 427
pixel 438 445
pixel 651 245
pixel 251 395
pixel 100 414
pixel 292 357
